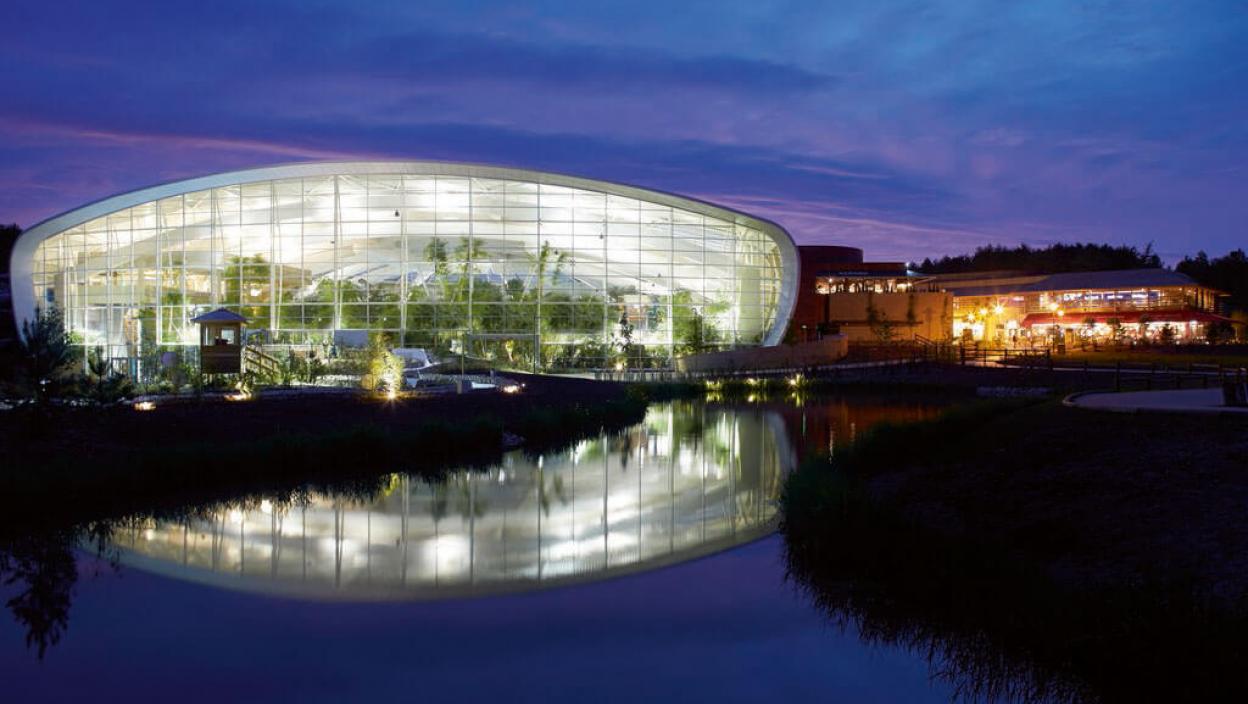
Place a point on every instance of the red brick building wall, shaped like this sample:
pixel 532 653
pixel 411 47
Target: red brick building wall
pixel 809 308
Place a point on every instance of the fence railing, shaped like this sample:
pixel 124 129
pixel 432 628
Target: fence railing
pixel 256 361
pixel 1126 376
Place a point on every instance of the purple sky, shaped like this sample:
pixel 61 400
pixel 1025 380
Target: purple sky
pixel 909 128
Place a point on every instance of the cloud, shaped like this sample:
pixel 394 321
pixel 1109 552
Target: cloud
pixel 917 127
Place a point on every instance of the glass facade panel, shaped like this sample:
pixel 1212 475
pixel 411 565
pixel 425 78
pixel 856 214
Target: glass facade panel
pixel 585 277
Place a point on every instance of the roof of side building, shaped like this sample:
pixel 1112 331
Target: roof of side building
pixel 1076 281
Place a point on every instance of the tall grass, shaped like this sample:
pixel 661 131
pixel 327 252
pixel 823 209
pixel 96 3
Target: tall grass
pixel 995 618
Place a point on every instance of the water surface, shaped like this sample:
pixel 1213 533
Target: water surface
pixel 639 565
pixel 689 480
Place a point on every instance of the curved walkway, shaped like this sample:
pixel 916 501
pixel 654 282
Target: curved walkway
pixel 1174 400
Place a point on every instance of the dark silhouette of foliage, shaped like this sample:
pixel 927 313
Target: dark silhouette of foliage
pixel 1054 259
pixel 46 352
pixel 1227 273
pixel 43 568
pixel 8 238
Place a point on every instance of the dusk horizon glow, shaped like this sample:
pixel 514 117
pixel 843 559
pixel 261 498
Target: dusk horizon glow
pixel 912 130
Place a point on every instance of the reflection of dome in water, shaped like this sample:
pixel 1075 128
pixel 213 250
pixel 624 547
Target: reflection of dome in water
pixel 687 481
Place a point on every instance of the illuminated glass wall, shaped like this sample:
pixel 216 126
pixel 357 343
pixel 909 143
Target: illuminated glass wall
pixel 504 267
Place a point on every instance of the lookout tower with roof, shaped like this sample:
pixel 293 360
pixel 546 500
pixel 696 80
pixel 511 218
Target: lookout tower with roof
pixel 220 341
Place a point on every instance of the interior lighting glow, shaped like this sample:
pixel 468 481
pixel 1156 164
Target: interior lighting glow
pixel 738 275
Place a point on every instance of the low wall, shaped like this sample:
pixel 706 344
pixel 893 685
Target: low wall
pixel 803 354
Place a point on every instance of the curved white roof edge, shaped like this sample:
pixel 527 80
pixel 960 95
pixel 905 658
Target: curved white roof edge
pixel 22 258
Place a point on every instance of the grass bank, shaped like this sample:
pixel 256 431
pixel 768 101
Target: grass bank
pixel 1178 357
pixel 81 464
pixel 1035 551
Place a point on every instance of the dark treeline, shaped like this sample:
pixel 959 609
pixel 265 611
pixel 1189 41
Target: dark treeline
pixel 8 328
pixel 8 237
pixel 1228 273
pixel 1054 259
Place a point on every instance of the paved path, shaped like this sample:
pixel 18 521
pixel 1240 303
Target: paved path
pixel 1185 400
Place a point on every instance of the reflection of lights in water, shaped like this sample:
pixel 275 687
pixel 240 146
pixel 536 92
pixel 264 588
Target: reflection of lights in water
pixel 680 483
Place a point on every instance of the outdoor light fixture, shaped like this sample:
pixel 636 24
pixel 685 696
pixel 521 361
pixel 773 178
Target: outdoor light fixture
pixel 511 389
pixel 145 406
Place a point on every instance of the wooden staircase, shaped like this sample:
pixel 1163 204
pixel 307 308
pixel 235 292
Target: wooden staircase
pixel 255 360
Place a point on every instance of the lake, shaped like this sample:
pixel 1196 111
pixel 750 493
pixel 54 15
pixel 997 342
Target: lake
pixel 639 565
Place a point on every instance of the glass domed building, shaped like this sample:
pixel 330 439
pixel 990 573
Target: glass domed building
pixel 530 268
